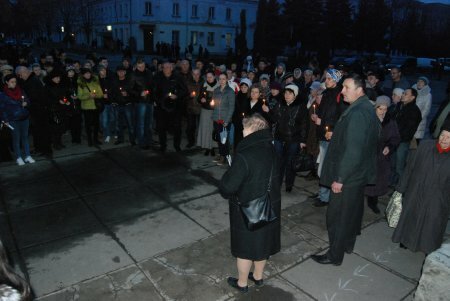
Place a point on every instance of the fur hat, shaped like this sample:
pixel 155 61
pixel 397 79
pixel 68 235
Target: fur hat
pixel 383 100
pixel 293 88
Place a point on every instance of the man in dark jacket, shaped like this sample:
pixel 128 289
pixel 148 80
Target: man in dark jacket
pixel 350 164
pixel 396 81
pixel 143 79
pixel 123 96
pixel 408 116
pixel 39 110
pixel 328 113
pixel 170 93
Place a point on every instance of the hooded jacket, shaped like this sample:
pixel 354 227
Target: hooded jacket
pixel 424 102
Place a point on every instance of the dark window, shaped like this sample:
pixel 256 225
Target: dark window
pixel 210 38
pixel 176 10
pixel 194 11
pixel 148 8
pixel 228 14
pixel 211 12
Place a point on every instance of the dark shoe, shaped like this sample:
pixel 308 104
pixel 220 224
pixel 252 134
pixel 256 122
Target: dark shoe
pixel 189 145
pixel 206 152
pixel 118 142
pixel 314 197
pixel 259 282
pixel 319 203
pixel 213 153
pixel 323 259
pixel 403 246
pixel 233 282
pixel 162 149
pixel 132 142
pixel 145 147
pixel 349 251
pixel 177 149
pixel 288 189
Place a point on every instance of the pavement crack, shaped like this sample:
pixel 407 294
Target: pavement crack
pixel 184 272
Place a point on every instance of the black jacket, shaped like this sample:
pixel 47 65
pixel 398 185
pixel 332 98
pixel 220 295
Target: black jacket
pixel 144 82
pixel 37 93
pixel 408 117
pixel 106 84
pixel 291 121
pixel 172 84
pixel 329 110
pixel 119 86
pixel 247 179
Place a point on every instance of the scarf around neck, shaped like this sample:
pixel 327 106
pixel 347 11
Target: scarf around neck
pixel 15 93
pixel 442 150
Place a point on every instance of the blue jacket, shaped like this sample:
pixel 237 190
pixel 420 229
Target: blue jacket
pixel 12 110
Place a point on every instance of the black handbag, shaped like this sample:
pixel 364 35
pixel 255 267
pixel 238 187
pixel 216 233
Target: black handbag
pixel 303 162
pixel 259 212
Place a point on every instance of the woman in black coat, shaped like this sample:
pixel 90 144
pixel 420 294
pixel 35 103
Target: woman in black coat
pixel 390 139
pixel 246 180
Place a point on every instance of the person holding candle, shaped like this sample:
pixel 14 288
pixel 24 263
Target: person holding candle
pixel 107 115
pixel 60 104
pixel 223 104
pixel 74 113
pixel 14 111
pixel 87 84
pixel 193 107
pixel 291 127
pixel 241 109
pixel 205 126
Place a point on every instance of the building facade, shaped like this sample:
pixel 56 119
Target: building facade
pixel 141 24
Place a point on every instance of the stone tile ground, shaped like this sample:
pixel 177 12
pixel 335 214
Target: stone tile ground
pixel 124 224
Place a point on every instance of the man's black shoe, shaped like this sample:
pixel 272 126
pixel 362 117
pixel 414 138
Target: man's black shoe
pixel 319 203
pixel 233 282
pixel 323 259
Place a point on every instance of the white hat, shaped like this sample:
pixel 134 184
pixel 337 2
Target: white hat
pixel 246 81
pixel 293 88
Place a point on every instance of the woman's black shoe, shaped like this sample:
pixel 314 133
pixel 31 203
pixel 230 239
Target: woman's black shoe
pixel 213 153
pixel 233 282
pixel 403 246
pixel 288 189
pixel 259 282
pixel 206 152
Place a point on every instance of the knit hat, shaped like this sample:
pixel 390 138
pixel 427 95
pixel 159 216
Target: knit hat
pixel 335 75
pixel 287 75
pixel 316 85
pixel 6 67
pixel 70 67
pixel 293 88
pixel 383 100
pixel 281 64
pixel 298 71
pixel 275 86
pixel 446 126
pixel 85 70
pixel 54 73
pixel 264 76
pixel 425 79
pixel 398 91
pixel 121 68
pixel 245 81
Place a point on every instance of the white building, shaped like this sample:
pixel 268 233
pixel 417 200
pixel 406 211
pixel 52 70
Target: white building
pixel 209 23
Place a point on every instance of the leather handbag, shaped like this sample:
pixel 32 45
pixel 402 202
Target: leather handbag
pixel 259 212
pixel 394 209
pixel 303 161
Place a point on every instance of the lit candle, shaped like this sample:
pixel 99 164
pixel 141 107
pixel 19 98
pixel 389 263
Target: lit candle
pixel 314 109
pixel 193 93
pixel 326 129
pixel 147 92
pixel 170 94
pixel 65 100
pixel 243 115
pixel 93 91
pixel 120 88
pixel 212 102
pixel 106 90
pixel 264 101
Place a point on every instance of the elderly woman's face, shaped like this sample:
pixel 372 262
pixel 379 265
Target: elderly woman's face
pixel 381 111
pixel 444 139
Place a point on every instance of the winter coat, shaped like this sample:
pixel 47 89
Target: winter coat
pixel 424 102
pixel 248 179
pixel 426 202
pixel 35 89
pixel 119 86
pixel 107 85
pixel 291 121
pixel 71 85
pixel 173 84
pixel 351 157
pixel 11 109
pixel 257 108
pixel 84 92
pixel 408 117
pixel 329 111
pixel 390 137
pixel 223 104
pixel 193 106
pixel 241 107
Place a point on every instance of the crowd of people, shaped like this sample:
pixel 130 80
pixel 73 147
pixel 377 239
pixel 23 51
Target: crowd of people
pixel 308 109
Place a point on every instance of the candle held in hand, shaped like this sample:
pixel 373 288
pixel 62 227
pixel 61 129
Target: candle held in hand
pixel 212 102
pixel 314 109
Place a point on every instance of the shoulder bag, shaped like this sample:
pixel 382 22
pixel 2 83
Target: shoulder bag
pixel 394 209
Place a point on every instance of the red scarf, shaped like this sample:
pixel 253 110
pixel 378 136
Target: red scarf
pixel 442 150
pixel 15 93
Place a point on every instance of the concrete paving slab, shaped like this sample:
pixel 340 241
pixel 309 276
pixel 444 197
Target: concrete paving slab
pixel 121 285
pixel 376 245
pixel 309 218
pixel 212 212
pixel 356 279
pixel 41 191
pixel 54 221
pixel 80 163
pixel 125 203
pixel 5 233
pixel 216 172
pixel 158 232
pixel 62 263
pixel 10 173
pixel 296 196
pixel 99 180
pixel 199 161
pixel 181 187
pixel 195 272
pixel 274 289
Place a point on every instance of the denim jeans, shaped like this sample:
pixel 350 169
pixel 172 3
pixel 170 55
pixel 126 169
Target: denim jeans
pixel 324 192
pixel 286 152
pixel 20 137
pixel 125 116
pixel 144 123
pixel 108 120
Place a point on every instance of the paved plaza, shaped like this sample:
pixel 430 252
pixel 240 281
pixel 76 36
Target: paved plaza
pixel 124 224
